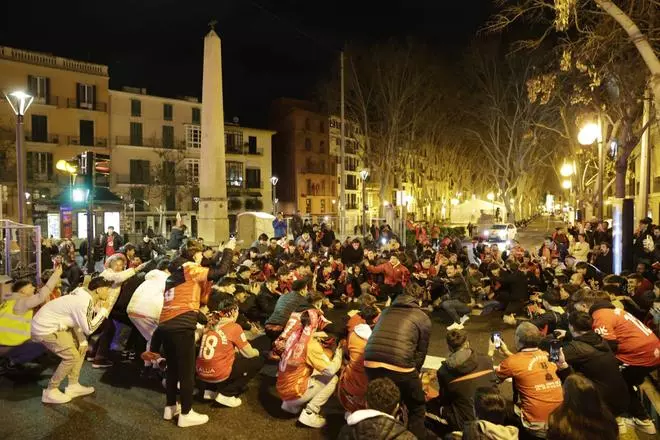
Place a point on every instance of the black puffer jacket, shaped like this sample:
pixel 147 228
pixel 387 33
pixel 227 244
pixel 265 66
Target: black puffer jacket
pixel 591 356
pixel 401 336
pixel 374 426
pixel 459 377
pixel 266 301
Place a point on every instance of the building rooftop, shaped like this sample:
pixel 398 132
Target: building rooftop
pixel 49 60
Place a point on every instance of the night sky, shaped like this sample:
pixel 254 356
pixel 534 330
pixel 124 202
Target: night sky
pixel 271 48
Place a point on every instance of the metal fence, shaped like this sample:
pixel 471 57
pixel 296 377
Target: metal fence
pixel 20 256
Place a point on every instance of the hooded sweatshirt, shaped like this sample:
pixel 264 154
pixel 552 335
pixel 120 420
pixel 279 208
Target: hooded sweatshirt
pixel 353 381
pixel 147 301
pixel 369 424
pixel 459 377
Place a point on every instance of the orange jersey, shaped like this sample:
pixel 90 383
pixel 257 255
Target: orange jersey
pixel 537 382
pixel 292 383
pixel 184 297
pixel 217 354
pixel 353 381
pixel 636 343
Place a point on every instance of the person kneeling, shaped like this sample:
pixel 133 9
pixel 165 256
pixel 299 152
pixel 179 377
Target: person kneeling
pixel 377 422
pixel 226 375
pixel 297 383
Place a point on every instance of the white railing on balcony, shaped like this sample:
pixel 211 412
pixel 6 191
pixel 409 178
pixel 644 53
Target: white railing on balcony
pixel 44 59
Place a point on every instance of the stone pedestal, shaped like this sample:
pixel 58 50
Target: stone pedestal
pixel 213 224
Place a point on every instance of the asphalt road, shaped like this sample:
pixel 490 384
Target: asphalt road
pixel 126 406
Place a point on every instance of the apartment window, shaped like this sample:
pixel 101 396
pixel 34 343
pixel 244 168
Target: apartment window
pixel 322 206
pixel 86 96
pixel 322 126
pixel 170 199
pixel 338 141
pixel 167 112
pixel 136 107
pixel 352 201
pixel 39 166
pixel 196 115
pixel 308 206
pixel 136 133
pixel 322 147
pixel 252 144
pixel 39 87
pixel 192 170
pixel 169 172
pixel 234 174
pixel 168 136
pixel 193 136
pixel 253 178
pixel 137 195
pixel 39 128
pixel 308 144
pixel 234 141
pixel 139 171
pixel 308 124
pixel 87 133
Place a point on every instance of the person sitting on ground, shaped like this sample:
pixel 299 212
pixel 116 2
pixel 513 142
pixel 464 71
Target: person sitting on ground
pixel 225 375
pixel 462 373
pixel 634 345
pixel 286 304
pixel 353 380
pixel 267 299
pixel 16 314
pixel 363 315
pixel 582 414
pixel 62 326
pixel 588 354
pixel 455 303
pixel 377 421
pixel 534 377
pixel 307 376
pixel 490 412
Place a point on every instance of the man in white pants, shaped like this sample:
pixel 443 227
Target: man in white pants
pixel 62 326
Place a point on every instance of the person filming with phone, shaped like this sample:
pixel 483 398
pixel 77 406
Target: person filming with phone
pixel 534 377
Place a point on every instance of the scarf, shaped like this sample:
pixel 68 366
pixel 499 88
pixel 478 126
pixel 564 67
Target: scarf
pixel 297 337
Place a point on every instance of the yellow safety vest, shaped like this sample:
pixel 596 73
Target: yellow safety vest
pixel 14 329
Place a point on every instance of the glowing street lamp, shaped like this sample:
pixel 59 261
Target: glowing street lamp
pixel 566 170
pixel 566 184
pixel 273 181
pixel 19 102
pixel 589 133
pixel 490 196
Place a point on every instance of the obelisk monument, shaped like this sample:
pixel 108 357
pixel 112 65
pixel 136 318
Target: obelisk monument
pixel 213 225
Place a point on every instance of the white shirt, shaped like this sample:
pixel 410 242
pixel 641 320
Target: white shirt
pixel 75 310
pixel 148 297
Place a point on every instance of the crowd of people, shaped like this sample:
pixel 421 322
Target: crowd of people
pixel 352 320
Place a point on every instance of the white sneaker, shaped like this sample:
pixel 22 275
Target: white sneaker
pixel 464 319
pixel 646 425
pixel 455 326
pixel 509 319
pixel 311 419
pixel 77 390
pixel 290 408
pixel 230 401
pixel 210 395
pixel 171 411
pixel 54 395
pixel 192 419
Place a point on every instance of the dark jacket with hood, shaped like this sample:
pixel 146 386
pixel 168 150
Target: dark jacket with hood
pixel 401 336
pixel 591 356
pixel 266 301
pixel 350 256
pixel 459 377
pixel 370 424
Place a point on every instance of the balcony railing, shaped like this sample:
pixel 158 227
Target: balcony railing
pixel 43 59
pixel 315 169
pixel 244 149
pixel 351 206
pixel 94 142
pixel 96 106
pixel 151 142
pixel 48 139
pixel 47 100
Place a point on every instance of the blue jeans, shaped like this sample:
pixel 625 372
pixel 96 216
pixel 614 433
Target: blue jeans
pixel 454 307
pixel 492 306
pixel 23 353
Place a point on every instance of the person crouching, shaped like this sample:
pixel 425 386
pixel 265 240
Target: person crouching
pixel 224 374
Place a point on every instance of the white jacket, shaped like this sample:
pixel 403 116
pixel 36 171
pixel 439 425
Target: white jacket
pixel 148 297
pixel 75 310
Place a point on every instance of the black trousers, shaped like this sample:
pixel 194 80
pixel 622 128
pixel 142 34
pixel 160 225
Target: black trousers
pixel 242 371
pixel 180 355
pixel 634 376
pixel 412 395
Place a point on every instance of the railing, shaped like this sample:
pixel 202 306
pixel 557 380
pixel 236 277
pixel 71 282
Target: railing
pixel 95 142
pixel 254 185
pixel 351 206
pixel 152 142
pixel 351 186
pixel 47 100
pixel 245 149
pixel 43 59
pixel 48 139
pixel 96 106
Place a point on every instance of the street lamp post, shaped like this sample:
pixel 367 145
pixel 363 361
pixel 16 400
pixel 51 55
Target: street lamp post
pixel 20 102
pixel 589 134
pixel 364 174
pixel 273 181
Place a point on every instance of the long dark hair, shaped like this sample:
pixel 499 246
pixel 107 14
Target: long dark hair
pixel 583 415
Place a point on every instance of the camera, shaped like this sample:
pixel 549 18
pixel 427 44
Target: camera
pixel 555 346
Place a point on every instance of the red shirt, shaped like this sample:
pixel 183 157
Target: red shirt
pixel 110 246
pixel 393 275
pixel 217 354
pixel 637 345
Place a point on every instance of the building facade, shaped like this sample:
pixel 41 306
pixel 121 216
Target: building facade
pixel 69 115
pixel 156 154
